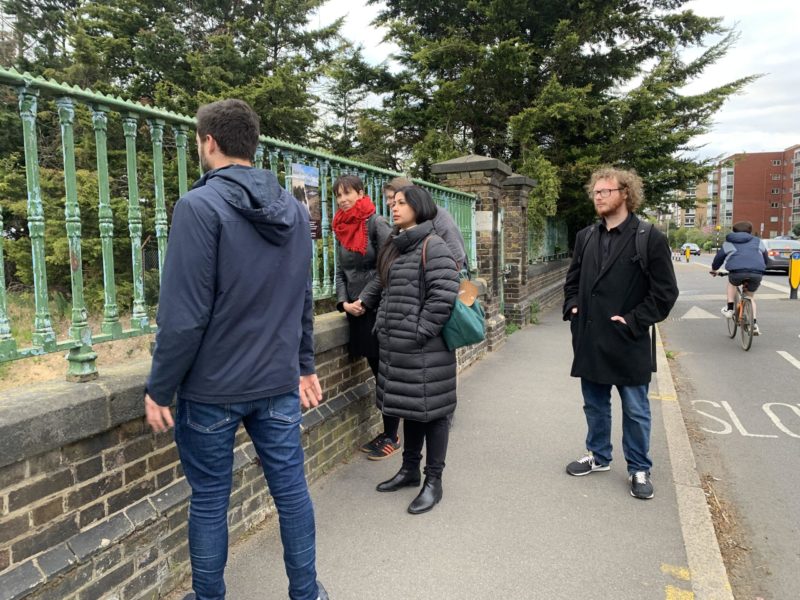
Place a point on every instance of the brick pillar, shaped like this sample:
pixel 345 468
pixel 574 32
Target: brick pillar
pixel 484 177
pixel 516 191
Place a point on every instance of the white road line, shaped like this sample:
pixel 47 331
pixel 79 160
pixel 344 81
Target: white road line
pixel 775 286
pixel 792 360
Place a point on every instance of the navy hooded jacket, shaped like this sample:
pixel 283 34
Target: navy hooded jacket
pixel 235 314
pixel 741 252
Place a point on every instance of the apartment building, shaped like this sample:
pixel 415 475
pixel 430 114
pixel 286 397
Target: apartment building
pixel 760 187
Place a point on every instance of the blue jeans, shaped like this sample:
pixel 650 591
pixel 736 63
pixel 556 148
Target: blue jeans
pixel 635 423
pixel 204 434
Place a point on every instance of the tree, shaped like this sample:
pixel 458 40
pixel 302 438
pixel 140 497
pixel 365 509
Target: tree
pixel 570 83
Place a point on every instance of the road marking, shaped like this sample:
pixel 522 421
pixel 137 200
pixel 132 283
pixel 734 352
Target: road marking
pixel 674 593
pixel 665 397
pixel 792 360
pixel 721 297
pixel 775 286
pixel 698 313
pixel 768 409
pixel 738 424
pixel 681 573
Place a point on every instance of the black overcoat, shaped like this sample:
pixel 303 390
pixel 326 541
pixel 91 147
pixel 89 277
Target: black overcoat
pixel 607 351
pixel 417 373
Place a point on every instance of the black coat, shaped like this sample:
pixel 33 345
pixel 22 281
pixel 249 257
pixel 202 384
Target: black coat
pixel 355 272
pixel 417 373
pixel 607 351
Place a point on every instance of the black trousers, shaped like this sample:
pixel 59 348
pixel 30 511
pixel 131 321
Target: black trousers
pixel 435 435
pixel 390 424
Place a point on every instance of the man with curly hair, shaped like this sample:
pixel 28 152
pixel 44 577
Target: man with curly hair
pixel 617 287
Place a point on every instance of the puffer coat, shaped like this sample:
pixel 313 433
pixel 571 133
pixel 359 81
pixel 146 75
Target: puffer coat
pixel 417 373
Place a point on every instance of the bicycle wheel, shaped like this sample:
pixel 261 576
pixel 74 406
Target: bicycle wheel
pixel 747 324
pixel 732 322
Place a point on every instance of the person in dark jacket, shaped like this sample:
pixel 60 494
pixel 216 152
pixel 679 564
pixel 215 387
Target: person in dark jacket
pixel 360 234
pixel 611 303
pixel 443 223
pixel 745 256
pixel 417 373
pixel 235 341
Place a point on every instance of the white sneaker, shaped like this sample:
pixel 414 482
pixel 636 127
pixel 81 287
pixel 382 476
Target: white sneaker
pixel 756 330
pixel 727 312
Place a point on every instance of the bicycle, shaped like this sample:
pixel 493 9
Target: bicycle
pixel 742 315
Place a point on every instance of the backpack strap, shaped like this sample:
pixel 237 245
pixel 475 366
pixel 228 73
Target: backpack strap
pixel 642 242
pixel 585 243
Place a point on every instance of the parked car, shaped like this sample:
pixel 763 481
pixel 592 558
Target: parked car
pixel 779 252
pixel 693 248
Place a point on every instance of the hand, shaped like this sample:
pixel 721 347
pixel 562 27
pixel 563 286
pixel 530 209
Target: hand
pixel 310 391
pixel 354 308
pixel 713 273
pixel 158 417
pixel 619 319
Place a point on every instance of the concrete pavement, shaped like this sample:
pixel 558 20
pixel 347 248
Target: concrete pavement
pixel 512 524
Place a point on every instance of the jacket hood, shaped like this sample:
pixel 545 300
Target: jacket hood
pixel 739 237
pixel 258 197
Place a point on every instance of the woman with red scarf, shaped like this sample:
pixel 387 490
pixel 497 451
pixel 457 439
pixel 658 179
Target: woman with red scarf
pixel 360 234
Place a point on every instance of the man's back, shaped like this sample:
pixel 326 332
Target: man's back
pixel 235 288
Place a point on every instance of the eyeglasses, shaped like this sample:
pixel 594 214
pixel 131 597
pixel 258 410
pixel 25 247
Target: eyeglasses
pixel 605 193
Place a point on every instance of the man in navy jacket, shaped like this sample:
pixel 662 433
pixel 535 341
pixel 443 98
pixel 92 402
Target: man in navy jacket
pixel 235 343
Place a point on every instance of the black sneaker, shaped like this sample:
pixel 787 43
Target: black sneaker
pixel 585 465
pixel 386 447
pixel 641 486
pixel 373 443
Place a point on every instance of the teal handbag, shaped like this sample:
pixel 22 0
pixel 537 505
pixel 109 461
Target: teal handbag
pixel 466 325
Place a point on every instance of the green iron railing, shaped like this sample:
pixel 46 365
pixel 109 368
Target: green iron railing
pixel 549 243
pixel 280 157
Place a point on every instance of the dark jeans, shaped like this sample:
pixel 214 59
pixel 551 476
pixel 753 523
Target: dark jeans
pixel 205 436
pixel 436 434
pixel 390 424
pixel 635 423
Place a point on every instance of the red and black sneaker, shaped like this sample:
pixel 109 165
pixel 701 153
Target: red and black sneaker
pixel 372 444
pixel 386 447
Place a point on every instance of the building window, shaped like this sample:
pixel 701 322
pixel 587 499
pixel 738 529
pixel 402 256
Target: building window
pixel 776 162
pixel 774 205
pixel 776 191
pixel 776 177
pixel 773 234
pixel 773 219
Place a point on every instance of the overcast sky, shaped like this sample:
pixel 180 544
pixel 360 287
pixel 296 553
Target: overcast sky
pixel 764 117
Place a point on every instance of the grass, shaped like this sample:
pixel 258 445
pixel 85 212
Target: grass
pixel 534 313
pixel 670 354
pixel 511 328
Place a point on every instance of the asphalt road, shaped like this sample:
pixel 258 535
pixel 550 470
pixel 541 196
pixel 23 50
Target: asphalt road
pixel 744 408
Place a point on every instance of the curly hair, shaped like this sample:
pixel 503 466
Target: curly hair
pixel 626 179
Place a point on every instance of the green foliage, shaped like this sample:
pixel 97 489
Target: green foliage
pixel 796 230
pixel 564 83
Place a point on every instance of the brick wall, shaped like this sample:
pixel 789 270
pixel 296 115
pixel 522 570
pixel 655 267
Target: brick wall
pixel 92 503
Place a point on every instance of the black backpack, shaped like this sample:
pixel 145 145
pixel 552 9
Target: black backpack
pixel 642 239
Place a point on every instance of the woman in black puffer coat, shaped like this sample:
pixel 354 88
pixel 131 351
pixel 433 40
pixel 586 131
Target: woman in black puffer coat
pixel 417 373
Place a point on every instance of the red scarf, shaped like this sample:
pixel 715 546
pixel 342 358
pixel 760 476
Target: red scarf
pixel 350 226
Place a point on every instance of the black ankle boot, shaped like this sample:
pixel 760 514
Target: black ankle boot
pixel 428 497
pixel 404 478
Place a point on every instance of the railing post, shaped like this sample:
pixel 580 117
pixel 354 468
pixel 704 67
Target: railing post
pixel 82 365
pixel 111 324
pixel 139 319
pixel 157 137
pixel 43 334
pixel 258 159
pixel 181 139
pixel 8 347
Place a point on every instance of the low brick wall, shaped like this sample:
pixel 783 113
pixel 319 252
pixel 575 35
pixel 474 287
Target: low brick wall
pixel 544 287
pixel 93 503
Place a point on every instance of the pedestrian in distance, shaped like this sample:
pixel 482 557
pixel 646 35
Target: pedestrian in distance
pixel 360 234
pixel 235 341
pixel 417 373
pixel 745 257
pixel 620 283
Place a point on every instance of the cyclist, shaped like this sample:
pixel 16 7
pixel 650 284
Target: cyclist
pixel 745 257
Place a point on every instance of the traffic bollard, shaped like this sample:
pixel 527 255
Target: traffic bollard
pixel 794 274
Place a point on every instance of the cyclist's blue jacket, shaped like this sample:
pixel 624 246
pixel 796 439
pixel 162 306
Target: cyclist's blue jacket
pixel 741 252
